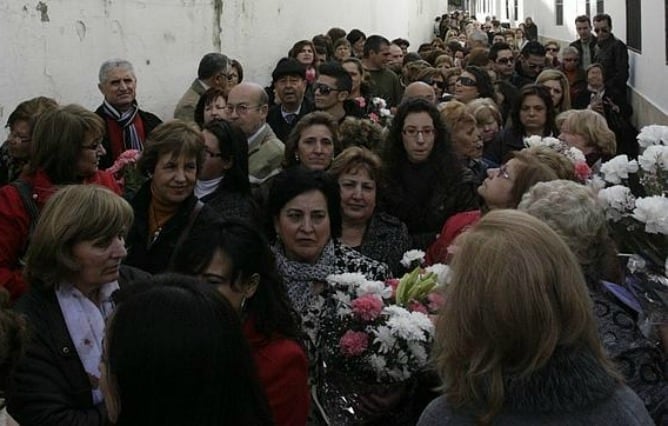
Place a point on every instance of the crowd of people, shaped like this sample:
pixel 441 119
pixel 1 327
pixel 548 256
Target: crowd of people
pixel 173 273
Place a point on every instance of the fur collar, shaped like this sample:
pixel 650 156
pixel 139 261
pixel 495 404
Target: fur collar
pixel 570 381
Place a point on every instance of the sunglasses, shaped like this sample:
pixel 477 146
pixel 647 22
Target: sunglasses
pixel 324 89
pixel 505 61
pixel 601 30
pixel 468 82
pixel 551 49
pixel 439 84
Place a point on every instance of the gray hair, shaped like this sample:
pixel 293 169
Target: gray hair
pixel 479 36
pixel 110 64
pixel 570 50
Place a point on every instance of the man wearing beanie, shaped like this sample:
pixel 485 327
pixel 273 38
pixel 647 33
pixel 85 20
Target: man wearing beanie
pixel 289 79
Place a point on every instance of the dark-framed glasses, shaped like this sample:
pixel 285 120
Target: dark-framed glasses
pixel 324 89
pixel 241 109
pixel 465 81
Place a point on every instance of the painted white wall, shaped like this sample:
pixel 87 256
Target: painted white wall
pixel 165 39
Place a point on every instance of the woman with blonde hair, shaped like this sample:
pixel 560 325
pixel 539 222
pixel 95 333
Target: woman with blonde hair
pixel 589 132
pixel 465 137
pixel 488 118
pixel 560 90
pixel 574 212
pixel 518 345
pixel 72 268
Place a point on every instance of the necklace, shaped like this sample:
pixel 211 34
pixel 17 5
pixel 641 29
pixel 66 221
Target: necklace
pixel 156 222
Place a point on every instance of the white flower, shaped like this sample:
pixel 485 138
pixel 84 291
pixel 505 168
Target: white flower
pixel 618 201
pixel 411 256
pixel 384 112
pixel 596 183
pixel 384 338
pixel 548 142
pixel 422 321
pixel 441 271
pixel 618 168
pixel 396 310
pixel 575 155
pixel 379 102
pixel 655 156
pixel 419 352
pixel 376 288
pixel 406 328
pixel 378 363
pixel 653 212
pixel 346 280
pixel 653 135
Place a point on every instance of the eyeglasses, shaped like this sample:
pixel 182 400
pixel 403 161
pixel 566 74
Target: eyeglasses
pixel 324 89
pixel 241 109
pixel 465 81
pixel 212 154
pixel 503 172
pixel 413 132
pixel 601 30
pixel 551 49
pixel 505 61
pixel 437 83
pixel 570 59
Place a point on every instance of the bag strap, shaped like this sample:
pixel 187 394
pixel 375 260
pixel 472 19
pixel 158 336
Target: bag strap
pixel 24 190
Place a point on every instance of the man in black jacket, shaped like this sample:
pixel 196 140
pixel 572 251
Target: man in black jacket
pixel 612 54
pixel 289 78
pixel 586 42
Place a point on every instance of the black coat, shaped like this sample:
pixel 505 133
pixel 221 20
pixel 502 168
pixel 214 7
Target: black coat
pixel 50 386
pixel 281 127
pixel 155 257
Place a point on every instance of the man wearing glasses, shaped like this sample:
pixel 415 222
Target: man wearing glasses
pixel 586 42
pixel 212 72
pixel 503 60
pixel 331 92
pixel 531 63
pixel 611 53
pixel 247 107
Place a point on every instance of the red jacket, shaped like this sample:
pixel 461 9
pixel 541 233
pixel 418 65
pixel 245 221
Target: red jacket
pixel 282 367
pixel 438 252
pixel 15 224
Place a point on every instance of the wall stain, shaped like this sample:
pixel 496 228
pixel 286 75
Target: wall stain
pixel 169 37
pixel 217 24
pixel 42 8
pixel 81 29
pixel 25 8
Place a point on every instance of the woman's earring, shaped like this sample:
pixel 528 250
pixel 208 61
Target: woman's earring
pixel 297 157
pixel 243 303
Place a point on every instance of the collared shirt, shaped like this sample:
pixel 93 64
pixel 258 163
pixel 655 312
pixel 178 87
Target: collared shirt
pixel 206 86
pixel 295 113
pixel 255 135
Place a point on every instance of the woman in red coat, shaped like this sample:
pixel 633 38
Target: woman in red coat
pixel 236 258
pixel 66 149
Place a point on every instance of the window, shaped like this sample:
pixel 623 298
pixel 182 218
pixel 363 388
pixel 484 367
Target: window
pixel 599 6
pixel 515 14
pixel 633 29
pixel 588 7
pixel 559 11
pixel 508 9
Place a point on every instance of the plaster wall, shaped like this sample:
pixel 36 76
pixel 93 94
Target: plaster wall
pixel 55 47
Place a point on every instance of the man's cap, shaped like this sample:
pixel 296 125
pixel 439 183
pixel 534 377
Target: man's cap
pixel 288 66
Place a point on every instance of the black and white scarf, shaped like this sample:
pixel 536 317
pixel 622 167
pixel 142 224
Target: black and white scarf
pixel 125 120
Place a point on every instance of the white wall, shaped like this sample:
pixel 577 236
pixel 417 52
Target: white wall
pixel 165 40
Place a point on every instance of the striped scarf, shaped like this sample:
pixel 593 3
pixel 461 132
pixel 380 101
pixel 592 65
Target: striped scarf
pixel 125 120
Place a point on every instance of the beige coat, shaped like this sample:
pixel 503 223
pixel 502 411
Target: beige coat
pixel 185 109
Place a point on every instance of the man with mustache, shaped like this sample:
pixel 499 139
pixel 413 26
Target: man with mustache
pixel 127 127
pixel 289 79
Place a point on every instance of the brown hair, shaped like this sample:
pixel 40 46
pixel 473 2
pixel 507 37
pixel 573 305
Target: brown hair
pixel 354 158
pixel 177 137
pixel 594 128
pixel 502 320
pixel 57 139
pixel 483 109
pixel 30 111
pixel 311 119
pixel 74 214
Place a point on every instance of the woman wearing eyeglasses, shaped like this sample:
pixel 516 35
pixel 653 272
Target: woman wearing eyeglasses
pixel 66 149
pixel 473 83
pixel 424 182
pixel 15 152
pixel 503 189
pixel 165 207
pixel 223 182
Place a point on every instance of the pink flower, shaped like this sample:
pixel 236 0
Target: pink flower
pixel 394 283
pixel 129 156
pixel 367 307
pixel 374 117
pixel 361 101
pixel 582 171
pixel 353 343
pixel 436 301
pixel 415 306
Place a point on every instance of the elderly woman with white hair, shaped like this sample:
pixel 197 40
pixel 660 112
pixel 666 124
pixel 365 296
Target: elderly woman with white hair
pixel 573 211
